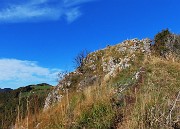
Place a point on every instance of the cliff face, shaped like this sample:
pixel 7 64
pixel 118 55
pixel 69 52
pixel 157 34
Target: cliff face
pixel 102 65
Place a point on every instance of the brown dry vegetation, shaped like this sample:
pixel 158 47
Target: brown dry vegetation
pixel 72 111
pixel 148 103
pixel 155 98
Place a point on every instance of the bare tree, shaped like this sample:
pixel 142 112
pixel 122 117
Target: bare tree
pixel 80 59
pixel 61 75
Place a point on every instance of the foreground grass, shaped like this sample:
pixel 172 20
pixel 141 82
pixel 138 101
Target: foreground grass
pixel 90 108
pixel 155 105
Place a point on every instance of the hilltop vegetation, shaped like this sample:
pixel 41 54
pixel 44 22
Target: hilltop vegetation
pixel 132 85
pixel 167 45
pixel 14 102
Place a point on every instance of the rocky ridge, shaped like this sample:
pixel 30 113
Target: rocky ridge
pixel 101 65
pixel 105 63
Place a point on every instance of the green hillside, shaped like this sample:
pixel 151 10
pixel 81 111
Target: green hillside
pixel 14 103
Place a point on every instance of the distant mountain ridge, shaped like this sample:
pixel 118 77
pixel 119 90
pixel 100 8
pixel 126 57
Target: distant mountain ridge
pixel 9 89
pixel 5 89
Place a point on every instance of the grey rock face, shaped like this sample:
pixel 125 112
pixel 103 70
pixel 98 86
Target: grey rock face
pixel 52 98
pixel 87 81
pixel 147 45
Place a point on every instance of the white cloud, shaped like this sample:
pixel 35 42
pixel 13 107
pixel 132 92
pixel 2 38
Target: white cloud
pixel 73 14
pixel 22 72
pixel 37 10
pixel 70 3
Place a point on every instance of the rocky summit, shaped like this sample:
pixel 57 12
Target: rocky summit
pixel 101 64
pixel 134 84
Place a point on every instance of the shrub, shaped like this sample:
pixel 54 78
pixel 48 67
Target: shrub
pixel 160 40
pixel 166 43
pixel 79 60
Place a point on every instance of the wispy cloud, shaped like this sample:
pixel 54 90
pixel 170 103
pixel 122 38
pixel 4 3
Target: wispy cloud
pixel 72 14
pixel 40 10
pixel 22 72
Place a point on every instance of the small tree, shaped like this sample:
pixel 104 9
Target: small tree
pixel 80 60
pixel 61 75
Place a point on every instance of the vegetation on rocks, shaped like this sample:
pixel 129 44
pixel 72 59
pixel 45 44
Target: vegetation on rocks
pixel 132 85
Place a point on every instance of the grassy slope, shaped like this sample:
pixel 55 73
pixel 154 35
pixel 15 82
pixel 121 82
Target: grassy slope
pixel 154 97
pixel 144 104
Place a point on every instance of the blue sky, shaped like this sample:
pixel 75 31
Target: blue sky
pixel 39 38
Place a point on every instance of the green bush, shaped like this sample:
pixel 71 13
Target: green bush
pixel 160 40
pixel 166 43
pixel 100 116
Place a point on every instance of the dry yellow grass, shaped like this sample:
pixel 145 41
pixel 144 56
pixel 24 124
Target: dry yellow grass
pixel 146 106
pixel 155 97
pixel 67 112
